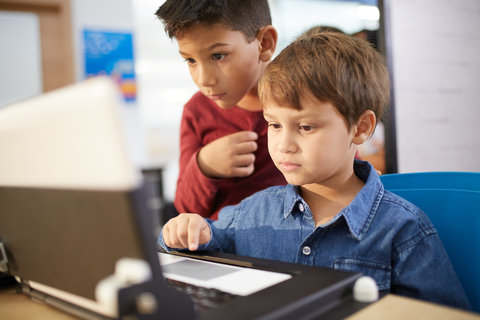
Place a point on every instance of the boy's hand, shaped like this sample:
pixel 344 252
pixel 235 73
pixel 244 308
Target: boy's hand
pixel 188 230
pixel 229 156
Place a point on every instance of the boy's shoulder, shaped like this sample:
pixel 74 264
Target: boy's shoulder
pixel 375 203
pixel 406 214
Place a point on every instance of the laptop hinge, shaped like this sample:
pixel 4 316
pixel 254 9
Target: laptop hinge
pixel 3 259
pixel 25 287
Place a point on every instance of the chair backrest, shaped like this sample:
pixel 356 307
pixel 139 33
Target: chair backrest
pixel 452 202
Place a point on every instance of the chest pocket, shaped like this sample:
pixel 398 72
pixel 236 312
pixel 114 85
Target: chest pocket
pixel 378 271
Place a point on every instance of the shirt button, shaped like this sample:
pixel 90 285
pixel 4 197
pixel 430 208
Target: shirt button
pixel 300 207
pixel 306 250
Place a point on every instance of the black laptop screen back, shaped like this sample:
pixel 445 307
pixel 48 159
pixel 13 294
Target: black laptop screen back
pixel 67 239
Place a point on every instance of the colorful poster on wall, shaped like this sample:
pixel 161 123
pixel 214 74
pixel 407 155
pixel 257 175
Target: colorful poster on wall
pixel 108 53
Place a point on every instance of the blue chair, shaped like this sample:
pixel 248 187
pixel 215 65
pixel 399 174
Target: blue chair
pixel 452 202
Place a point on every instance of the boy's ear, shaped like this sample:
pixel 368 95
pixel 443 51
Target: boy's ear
pixel 364 127
pixel 267 38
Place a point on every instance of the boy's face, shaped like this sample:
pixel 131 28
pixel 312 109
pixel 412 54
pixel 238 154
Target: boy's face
pixel 312 145
pixel 223 65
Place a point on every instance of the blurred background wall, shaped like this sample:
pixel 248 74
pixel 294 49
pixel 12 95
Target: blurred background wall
pixel 436 73
pixel 434 47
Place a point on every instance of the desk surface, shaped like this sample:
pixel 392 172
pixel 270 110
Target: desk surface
pixel 393 307
pixel 14 306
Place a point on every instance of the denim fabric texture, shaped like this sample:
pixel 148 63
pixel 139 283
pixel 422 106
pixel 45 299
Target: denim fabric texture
pixel 378 234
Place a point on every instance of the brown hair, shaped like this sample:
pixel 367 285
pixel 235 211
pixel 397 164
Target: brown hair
pixel 335 68
pixel 318 29
pixel 247 16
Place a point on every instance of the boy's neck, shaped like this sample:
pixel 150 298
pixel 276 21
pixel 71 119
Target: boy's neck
pixel 326 201
pixel 251 101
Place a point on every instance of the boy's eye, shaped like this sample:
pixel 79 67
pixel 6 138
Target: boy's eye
pixel 190 61
pixel 306 128
pixel 274 125
pixel 218 56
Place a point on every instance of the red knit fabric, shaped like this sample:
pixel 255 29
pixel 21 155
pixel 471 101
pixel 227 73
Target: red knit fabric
pixel 203 122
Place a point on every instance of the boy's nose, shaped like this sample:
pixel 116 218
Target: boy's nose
pixel 286 143
pixel 206 77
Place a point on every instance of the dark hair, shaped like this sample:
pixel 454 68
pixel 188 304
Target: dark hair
pixel 334 67
pixel 247 16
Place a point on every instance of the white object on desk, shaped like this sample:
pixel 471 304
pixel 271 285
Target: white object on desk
pixel 128 271
pixel 365 289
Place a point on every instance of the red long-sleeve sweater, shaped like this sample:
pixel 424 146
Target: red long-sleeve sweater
pixel 203 122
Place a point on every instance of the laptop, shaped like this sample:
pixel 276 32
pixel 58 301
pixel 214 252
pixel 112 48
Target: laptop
pixel 76 232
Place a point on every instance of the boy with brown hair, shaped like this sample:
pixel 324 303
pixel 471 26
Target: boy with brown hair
pixel 223 137
pixel 322 97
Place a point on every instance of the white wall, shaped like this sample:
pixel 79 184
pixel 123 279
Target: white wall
pixel 107 16
pixel 20 57
pixel 436 54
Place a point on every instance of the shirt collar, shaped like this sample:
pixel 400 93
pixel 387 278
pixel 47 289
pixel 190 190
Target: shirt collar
pixel 291 199
pixel 361 211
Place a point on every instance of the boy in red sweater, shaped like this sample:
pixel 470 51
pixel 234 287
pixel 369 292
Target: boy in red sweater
pixel 227 45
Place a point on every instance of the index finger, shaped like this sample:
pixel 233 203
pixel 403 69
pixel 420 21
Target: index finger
pixel 242 136
pixel 195 226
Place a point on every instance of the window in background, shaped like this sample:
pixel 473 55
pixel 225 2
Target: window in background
pixel 293 17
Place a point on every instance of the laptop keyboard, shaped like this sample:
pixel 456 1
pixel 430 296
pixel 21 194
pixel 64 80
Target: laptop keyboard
pixel 203 298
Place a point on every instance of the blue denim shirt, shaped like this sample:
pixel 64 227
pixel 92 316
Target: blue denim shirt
pixel 378 234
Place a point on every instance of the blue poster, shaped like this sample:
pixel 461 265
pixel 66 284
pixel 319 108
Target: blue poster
pixel 108 53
